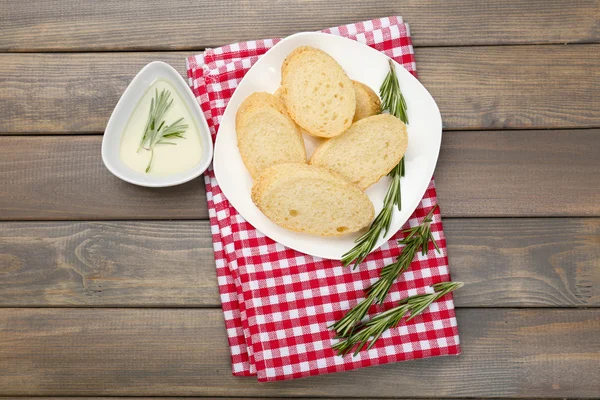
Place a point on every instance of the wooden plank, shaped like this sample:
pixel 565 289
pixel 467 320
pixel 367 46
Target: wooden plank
pixel 63 177
pixel 107 264
pixel 504 263
pixel 501 87
pixel 506 87
pixel 74 25
pixel 63 93
pixel 525 262
pixel 520 173
pixel 214 398
pixel 479 174
pixel 175 352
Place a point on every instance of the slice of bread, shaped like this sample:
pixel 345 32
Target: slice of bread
pixel 365 152
pixel 266 134
pixel 367 101
pixel 319 96
pixel 315 140
pixel 312 200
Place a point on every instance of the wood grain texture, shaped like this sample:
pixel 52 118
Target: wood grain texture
pixel 507 87
pixel 178 347
pixel 479 174
pixel 219 398
pixel 525 262
pixel 501 87
pixel 143 352
pixel 43 25
pixel 503 262
pixel 63 177
pixel 520 173
pixel 114 264
pixel 62 93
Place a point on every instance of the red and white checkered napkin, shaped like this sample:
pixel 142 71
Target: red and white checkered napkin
pixel 278 302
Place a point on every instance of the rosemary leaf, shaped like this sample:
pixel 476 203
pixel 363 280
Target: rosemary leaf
pixel 367 333
pixel 417 239
pixel 391 96
pixel 156 129
pixel 393 101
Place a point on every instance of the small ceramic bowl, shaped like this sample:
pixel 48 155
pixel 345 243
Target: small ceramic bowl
pixel 118 120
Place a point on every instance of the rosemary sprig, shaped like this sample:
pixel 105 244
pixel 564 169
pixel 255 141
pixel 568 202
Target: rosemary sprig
pixel 393 101
pixel 417 239
pixel 156 131
pixel 391 96
pixel 367 333
pixel 381 223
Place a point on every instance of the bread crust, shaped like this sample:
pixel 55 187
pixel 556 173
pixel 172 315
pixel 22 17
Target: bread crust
pixel 367 101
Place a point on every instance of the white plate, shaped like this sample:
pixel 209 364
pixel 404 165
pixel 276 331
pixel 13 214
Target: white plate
pixel 361 63
pixel 111 141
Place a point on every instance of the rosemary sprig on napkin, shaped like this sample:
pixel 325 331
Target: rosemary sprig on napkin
pixel 367 333
pixel 393 101
pixel 417 239
pixel 156 132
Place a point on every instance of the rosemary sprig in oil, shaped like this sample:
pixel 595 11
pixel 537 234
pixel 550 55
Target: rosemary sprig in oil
pixel 417 239
pixel 156 131
pixel 393 101
pixel 367 333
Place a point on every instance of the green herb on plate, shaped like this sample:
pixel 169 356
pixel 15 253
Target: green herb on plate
pixel 156 131
pixel 417 239
pixel 391 96
pixel 367 333
pixel 393 101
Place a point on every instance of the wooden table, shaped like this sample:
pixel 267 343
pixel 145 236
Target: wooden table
pixel 108 289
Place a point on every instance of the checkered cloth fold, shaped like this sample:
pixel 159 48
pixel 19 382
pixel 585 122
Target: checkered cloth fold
pixel 277 302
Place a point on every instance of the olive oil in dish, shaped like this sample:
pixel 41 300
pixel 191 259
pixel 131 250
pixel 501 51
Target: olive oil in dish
pixel 161 137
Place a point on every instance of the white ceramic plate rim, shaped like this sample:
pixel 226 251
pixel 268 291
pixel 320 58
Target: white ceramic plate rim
pixel 111 141
pixel 363 64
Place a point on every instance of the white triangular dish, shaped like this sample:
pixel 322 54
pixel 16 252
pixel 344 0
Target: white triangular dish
pixel 361 63
pixel 111 141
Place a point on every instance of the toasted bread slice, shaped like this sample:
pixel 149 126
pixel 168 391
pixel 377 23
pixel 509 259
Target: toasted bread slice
pixel 367 101
pixel 266 134
pixel 319 96
pixel 312 200
pixel 365 152
pixel 315 140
